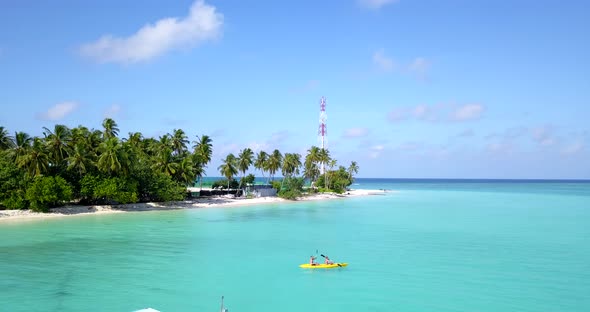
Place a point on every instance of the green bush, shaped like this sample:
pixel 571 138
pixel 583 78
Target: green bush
pixel 233 184
pixel 103 190
pixel 48 192
pixel 16 200
pixel 13 182
pixel 276 185
pixel 289 194
pixel 295 183
pixel 116 190
pixel 162 188
pixel 338 181
pixel 292 188
pixel 249 179
pixel 87 186
pixel 155 186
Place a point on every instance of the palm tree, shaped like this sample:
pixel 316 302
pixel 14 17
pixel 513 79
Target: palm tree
pixel 203 148
pixel 22 144
pixel 352 169
pixel 331 164
pixel 135 139
pixel 274 163
pixel 133 146
pixel 198 170
pixel 6 141
pixel 113 157
pixel 58 142
pixel 203 151
pixel 79 135
pixel 165 162
pixel 179 141
pixel 324 158
pixel 186 171
pixel 312 159
pixel 150 146
pixel 36 159
pixel 228 168
pixel 260 161
pixel 291 165
pixel 110 128
pixel 94 139
pixel 244 162
pixel 166 142
pixel 80 159
pixel 311 171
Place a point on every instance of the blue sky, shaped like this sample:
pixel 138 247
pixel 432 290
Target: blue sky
pixel 415 89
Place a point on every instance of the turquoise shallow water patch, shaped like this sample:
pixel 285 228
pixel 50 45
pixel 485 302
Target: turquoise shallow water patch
pixel 481 246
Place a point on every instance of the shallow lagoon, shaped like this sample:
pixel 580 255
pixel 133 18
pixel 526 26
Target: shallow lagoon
pixel 473 246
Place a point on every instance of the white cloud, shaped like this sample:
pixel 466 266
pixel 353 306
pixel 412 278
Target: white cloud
pixel 375 151
pixel 425 112
pixel 224 149
pixel 410 146
pixel 257 146
pixel 419 67
pixel 203 23
pixel 113 111
pixel 420 112
pixel 436 113
pixel 543 135
pixel 468 112
pixel 375 4
pixel 499 147
pixel 59 111
pixel 382 61
pixel 573 148
pixel 355 132
pixel 508 134
pixel 274 142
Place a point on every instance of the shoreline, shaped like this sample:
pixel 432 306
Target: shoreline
pixel 207 202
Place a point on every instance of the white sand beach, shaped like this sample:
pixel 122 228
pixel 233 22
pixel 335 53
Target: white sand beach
pixel 217 201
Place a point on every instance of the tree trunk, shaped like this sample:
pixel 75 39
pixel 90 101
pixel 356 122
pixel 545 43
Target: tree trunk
pixel 241 180
pixel 326 179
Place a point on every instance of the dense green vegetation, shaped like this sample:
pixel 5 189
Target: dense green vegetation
pixel 89 166
pixel 97 166
pixel 291 166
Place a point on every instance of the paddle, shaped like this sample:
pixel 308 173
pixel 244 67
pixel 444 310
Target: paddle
pixel 338 264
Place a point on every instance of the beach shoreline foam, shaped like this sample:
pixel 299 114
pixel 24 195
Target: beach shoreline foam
pixel 205 202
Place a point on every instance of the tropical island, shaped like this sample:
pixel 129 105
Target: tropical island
pixel 89 167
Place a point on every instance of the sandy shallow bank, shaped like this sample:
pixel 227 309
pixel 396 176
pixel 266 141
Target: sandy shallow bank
pixel 221 201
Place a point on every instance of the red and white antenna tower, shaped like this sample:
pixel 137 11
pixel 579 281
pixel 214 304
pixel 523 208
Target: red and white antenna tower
pixel 323 130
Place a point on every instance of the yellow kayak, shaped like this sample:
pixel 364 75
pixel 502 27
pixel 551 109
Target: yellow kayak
pixel 323 266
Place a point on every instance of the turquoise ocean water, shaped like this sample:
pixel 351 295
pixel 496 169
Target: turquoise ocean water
pixel 430 246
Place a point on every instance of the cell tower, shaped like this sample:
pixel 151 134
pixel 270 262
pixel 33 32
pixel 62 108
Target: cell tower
pixel 323 130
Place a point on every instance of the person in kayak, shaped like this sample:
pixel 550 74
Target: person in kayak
pixel 312 260
pixel 328 261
